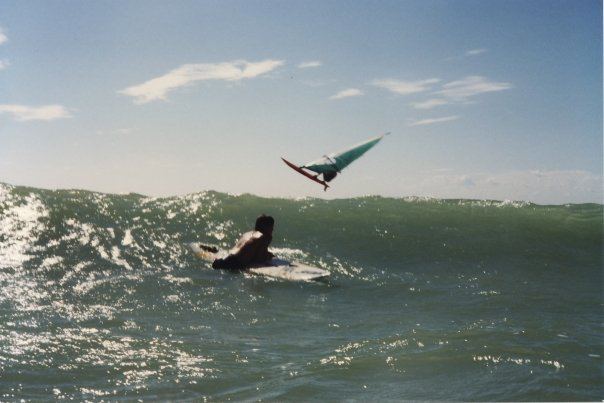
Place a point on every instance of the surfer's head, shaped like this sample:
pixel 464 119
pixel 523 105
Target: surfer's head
pixel 265 224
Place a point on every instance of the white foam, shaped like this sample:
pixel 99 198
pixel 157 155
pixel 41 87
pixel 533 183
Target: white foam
pixel 19 227
pixel 74 271
pixel 159 244
pixel 173 298
pixel 177 280
pixel 289 252
pixel 516 360
pixel 127 241
pixel 554 363
pixel 117 258
pixel 82 230
pixel 219 230
pixel 50 262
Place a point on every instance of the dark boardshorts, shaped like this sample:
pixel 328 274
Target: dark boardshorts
pixel 230 263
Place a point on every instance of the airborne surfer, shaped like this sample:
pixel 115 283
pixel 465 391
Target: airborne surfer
pixel 331 165
pixel 252 247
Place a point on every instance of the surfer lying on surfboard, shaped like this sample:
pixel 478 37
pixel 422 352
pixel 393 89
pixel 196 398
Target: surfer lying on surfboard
pixel 252 247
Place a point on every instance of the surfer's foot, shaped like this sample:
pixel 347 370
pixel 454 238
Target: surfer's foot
pixel 208 248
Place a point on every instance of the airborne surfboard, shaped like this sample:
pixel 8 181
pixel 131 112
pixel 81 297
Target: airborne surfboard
pixel 308 175
pixel 276 267
pixel 332 164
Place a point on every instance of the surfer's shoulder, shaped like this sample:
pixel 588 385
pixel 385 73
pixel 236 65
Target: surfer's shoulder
pixel 246 236
pixel 250 235
pixel 245 239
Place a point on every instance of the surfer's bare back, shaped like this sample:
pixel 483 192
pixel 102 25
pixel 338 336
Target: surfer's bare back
pixel 252 247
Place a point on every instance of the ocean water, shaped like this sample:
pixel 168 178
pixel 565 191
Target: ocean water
pixel 428 299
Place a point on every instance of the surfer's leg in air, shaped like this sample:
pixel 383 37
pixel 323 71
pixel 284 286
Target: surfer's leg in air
pixel 328 176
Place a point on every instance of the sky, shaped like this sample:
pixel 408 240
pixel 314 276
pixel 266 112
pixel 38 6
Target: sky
pixel 484 99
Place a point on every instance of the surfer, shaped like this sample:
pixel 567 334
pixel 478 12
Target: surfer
pixel 331 165
pixel 252 247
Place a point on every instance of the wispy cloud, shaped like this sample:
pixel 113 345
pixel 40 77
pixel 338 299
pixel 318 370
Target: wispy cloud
pixel 431 121
pixel 474 52
pixel 468 53
pixel 24 113
pixel 350 92
pixel 3 37
pixel 313 63
pixel 471 86
pixel 459 91
pixel 187 74
pixel 430 103
pixel 405 87
pixel 4 64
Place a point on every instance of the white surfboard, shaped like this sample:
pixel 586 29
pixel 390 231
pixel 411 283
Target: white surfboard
pixel 276 267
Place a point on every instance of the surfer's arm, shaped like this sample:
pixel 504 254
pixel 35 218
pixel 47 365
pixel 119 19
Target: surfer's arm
pixel 264 255
pixel 245 254
pixel 255 250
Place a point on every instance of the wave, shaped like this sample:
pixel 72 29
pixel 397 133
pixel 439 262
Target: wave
pixel 419 287
pixel 50 228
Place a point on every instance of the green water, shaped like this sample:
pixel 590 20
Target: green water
pixel 428 299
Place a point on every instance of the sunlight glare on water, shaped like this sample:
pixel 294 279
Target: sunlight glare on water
pixel 427 299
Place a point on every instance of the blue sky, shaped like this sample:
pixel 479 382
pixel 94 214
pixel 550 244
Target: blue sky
pixel 484 99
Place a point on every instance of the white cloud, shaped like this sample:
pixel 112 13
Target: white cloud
pixel 474 52
pixel 313 63
pixel 471 86
pixel 424 122
pixel 405 87
pixel 22 113
pixel 4 64
pixel 430 103
pixel 187 74
pixel 350 92
pixel 3 37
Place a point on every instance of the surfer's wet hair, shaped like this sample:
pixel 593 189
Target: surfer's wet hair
pixel 264 222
